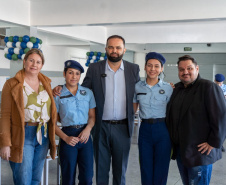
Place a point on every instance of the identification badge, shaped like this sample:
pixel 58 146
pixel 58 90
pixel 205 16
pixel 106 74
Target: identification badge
pixel 83 92
pixel 161 91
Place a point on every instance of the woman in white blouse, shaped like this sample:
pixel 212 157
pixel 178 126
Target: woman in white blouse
pixel 27 126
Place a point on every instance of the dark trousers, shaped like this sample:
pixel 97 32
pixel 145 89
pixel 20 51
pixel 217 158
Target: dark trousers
pixel 114 144
pixel 81 154
pixel 154 152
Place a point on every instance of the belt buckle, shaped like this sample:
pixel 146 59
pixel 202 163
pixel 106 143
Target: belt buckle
pixel 77 126
pixel 114 122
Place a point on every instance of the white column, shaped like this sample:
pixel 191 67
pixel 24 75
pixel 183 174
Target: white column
pixel 139 58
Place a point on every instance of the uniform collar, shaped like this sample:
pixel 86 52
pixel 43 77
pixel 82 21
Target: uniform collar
pixel 66 91
pixel 160 83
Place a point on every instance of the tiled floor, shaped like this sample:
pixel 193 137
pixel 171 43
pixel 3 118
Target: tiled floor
pixel 133 172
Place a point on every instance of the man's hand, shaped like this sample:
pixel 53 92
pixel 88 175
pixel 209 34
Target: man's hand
pixel 57 91
pixel 205 147
pixel 5 153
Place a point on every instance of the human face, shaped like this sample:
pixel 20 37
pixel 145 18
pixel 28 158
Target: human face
pixel 153 68
pixel 219 83
pixel 72 77
pixel 187 71
pixel 115 50
pixel 33 64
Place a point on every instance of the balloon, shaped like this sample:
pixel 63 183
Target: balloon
pixel 91 53
pixel 95 61
pixel 40 41
pixel 94 57
pixel 14 57
pixel 14 44
pixel 35 45
pixel 9 44
pixel 39 46
pixel 22 57
pixel 33 39
pixel 26 38
pixel 11 38
pixel 105 57
pixel 23 45
pixel 87 64
pixel 21 51
pixel 90 57
pixel 16 50
pixel 101 58
pixel 9 56
pixel 87 53
pixel 29 45
pixel 6 39
pixel 18 45
pixel 98 58
pixel 6 50
pixel 20 39
pixel 19 56
pixel 15 38
pixel 95 53
pixel 5 55
pixel 26 50
pixel 11 51
pixel 98 53
pixel 102 54
pixel 37 40
pixel 91 61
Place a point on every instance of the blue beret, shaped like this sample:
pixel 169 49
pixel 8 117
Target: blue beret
pixel 157 56
pixel 219 77
pixel 73 64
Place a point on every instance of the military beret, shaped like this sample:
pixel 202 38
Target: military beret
pixel 73 64
pixel 219 77
pixel 157 56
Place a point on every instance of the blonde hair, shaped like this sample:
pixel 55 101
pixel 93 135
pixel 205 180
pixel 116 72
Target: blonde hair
pixel 35 51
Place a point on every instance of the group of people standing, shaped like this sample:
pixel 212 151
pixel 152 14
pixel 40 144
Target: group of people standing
pixel 186 122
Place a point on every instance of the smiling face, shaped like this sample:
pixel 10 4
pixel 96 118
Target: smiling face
pixel 33 64
pixel 153 68
pixel 115 49
pixel 187 71
pixel 72 77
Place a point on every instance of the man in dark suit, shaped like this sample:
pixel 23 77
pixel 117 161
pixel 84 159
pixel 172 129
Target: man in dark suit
pixel 196 119
pixel 112 82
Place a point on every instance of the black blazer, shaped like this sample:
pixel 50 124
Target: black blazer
pixel 95 80
pixel 202 119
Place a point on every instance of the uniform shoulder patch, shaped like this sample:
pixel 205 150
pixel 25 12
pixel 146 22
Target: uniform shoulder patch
pixel 83 92
pixel 161 91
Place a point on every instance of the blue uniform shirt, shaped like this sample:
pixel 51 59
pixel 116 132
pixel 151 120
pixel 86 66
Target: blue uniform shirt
pixel 223 87
pixel 73 110
pixel 152 100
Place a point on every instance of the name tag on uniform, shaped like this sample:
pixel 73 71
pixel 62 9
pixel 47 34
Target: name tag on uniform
pixel 83 92
pixel 141 94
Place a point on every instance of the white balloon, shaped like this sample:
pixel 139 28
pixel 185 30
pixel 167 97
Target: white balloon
pixel 101 58
pixel 94 57
pixel 9 44
pixel 39 46
pixel 17 51
pixel 22 57
pixel 6 50
pixel 18 45
pixel 29 44
pixel 91 61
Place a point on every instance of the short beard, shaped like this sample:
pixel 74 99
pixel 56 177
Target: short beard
pixel 114 59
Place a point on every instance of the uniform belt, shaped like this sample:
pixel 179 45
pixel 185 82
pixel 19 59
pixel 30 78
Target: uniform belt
pixel 32 123
pixel 76 126
pixel 156 120
pixel 116 122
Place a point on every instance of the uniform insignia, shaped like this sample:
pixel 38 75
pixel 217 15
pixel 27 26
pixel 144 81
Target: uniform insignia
pixel 161 91
pixel 69 63
pixel 83 92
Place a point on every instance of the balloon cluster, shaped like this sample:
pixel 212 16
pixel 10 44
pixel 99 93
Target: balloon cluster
pixel 93 57
pixel 17 47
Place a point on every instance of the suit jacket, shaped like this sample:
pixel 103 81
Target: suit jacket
pixel 202 119
pixel 96 82
pixel 12 131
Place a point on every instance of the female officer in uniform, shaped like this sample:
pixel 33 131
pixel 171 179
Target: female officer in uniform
pixel 152 96
pixel 76 109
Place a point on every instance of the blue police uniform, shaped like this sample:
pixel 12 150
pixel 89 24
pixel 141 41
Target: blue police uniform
pixel 223 87
pixel 73 111
pixel 154 140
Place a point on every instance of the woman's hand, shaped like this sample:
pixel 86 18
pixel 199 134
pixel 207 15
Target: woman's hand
pixel 84 135
pixel 5 153
pixel 57 91
pixel 72 141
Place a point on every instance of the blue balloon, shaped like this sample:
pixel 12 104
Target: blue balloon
pixel 26 38
pixel 91 53
pixel 95 61
pixel 19 56
pixel 37 40
pixel 87 61
pixel 15 39
pixel 105 57
pixel 98 58
pixel 11 51
pixel 90 57
pixel 35 45
pixel 14 44
pixel 98 53
pixel 6 39
pixel 21 51
pixel 23 45
pixel 9 56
